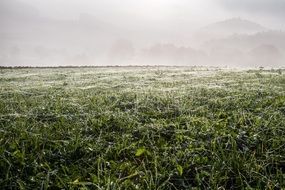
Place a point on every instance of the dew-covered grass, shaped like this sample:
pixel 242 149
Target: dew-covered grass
pixel 142 128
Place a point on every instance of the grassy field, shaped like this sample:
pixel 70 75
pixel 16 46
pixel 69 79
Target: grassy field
pixel 142 128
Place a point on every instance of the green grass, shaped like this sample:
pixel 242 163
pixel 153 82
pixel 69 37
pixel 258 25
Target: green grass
pixel 142 128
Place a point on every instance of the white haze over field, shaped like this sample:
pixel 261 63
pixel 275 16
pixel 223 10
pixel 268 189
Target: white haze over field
pixel 235 33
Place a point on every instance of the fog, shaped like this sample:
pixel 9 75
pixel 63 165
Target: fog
pixel 234 33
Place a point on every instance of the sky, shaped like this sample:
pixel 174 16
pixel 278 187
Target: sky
pixel 66 30
pixel 268 12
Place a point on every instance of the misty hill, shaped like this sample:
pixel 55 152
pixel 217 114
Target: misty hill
pixel 234 25
pixel 227 28
pixel 246 42
pixel 265 55
pixel 260 49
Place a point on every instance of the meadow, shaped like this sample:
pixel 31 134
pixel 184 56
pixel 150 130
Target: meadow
pixel 142 128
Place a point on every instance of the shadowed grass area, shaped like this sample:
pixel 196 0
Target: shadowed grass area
pixel 142 128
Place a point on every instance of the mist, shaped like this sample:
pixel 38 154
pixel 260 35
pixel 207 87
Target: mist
pixel 149 32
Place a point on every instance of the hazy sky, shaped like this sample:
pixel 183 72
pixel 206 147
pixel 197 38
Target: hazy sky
pixel 267 12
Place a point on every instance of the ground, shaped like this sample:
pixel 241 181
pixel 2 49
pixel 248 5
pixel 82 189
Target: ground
pixel 142 128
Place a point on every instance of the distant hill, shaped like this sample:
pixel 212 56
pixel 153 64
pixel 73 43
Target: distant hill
pixel 265 55
pixel 246 42
pixel 234 25
pixel 265 49
pixel 259 49
pixel 228 28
